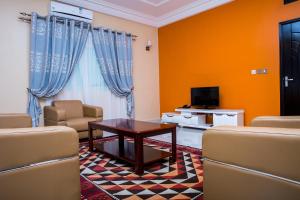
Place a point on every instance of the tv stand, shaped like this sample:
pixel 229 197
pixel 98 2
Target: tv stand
pixel 195 118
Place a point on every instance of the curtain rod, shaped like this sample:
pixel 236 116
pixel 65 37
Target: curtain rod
pixel 26 18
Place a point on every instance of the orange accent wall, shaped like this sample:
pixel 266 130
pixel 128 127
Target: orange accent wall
pixel 219 48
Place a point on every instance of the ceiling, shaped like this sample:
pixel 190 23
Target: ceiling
pixel 155 13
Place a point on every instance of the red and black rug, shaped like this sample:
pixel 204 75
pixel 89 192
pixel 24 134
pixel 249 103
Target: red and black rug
pixel 105 178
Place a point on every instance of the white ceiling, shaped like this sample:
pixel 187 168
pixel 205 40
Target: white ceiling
pixel 154 8
pixel 151 12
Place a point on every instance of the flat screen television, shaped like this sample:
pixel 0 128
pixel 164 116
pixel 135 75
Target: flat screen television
pixel 207 97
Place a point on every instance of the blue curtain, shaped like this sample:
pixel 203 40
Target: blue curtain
pixel 114 54
pixel 56 47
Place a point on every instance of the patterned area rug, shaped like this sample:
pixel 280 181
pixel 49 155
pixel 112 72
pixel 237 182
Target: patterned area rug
pixel 105 178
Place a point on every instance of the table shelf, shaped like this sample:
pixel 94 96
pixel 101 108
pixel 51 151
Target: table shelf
pixel 112 149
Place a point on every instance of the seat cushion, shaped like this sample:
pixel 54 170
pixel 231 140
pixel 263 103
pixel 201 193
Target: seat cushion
pixel 80 124
pixel 73 108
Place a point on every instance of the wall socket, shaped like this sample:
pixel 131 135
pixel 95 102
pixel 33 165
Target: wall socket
pixel 259 71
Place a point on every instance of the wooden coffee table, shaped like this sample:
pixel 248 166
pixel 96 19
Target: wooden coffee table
pixel 133 152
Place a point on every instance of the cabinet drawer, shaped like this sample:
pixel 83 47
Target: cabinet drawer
pixel 225 119
pixel 192 119
pixel 188 120
pixel 170 117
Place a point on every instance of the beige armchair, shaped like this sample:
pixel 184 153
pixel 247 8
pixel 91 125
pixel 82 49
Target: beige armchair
pixel 37 163
pixel 74 114
pixel 15 120
pixel 253 162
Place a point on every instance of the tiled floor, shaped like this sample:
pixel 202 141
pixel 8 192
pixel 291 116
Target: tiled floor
pixel 185 136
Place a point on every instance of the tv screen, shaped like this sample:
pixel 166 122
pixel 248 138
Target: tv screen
pixel 205 97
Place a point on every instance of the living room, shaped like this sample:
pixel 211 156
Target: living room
pixel 156 99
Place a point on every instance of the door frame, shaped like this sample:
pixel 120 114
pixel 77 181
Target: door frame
pixel 282 109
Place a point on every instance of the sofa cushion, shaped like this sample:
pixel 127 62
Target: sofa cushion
pixel 277 121
pixel 80 124
pixel 15 120
pixel 269 150
pixel 24 146
pixel 223 181
pixel 73 108
pixel 54 180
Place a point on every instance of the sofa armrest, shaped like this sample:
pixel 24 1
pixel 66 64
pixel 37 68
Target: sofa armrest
pixel 269 150
pixel 92 111
pixel 54 114
pixel 26 146
pixel 277 121
pixel 15 121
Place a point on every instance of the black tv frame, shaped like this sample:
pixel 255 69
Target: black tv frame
pixel 289 1
pixel 211 106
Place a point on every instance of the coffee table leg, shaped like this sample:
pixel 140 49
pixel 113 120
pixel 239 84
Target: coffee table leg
pixel 91 139
pixel 174 153
pixel 139 155
pixel 121 145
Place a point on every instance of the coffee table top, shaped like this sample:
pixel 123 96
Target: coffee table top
pixel 132 126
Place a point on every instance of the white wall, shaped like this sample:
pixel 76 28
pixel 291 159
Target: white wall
pixel 14 57
pixel 14 53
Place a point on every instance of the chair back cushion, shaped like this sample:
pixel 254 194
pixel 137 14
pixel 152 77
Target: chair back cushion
pixel 15 120
pixel 277 121
pixel 269 150
pixel 73 108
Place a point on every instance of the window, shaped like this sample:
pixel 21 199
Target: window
pixel 87 84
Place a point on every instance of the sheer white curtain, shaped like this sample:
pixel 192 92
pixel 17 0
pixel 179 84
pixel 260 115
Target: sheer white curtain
pixel 86 84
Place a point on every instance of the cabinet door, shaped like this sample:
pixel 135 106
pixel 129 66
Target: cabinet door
pixel 166 117
pixel 190 120
pixel 170 117
pixel 218 119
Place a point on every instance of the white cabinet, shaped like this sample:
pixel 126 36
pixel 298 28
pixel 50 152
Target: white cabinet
pixel 196 117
